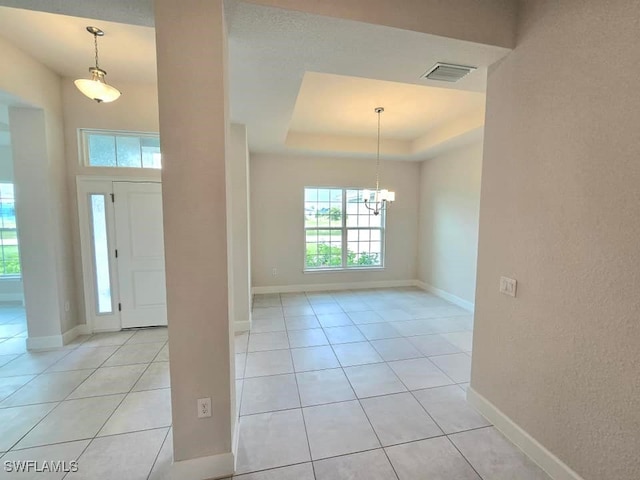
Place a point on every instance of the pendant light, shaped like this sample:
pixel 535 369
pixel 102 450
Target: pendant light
pixel 381 198
pixel 96 88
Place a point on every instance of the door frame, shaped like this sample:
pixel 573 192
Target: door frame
pixel 101 185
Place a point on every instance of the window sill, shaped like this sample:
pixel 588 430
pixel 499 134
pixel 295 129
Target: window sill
pixel 341 270
pixel 10 278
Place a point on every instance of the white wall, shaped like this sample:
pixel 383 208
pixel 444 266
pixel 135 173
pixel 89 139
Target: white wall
pixel 277 216
pixel 560 212
pixel 449 211
pixel 36 86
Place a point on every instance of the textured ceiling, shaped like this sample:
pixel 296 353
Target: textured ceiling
pixel 270 51
pixel 134 12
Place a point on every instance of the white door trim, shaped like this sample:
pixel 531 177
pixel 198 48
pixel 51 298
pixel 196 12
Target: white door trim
pixel 94 184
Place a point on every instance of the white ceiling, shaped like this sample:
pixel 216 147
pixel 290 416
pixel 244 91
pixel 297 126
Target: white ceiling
pixel 127 52
pixel 270 51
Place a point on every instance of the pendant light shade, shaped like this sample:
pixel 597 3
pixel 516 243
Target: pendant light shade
pixel 96 88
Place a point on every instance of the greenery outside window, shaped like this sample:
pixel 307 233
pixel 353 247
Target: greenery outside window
pixel 340 232
pixel 9 252
pixel 120 149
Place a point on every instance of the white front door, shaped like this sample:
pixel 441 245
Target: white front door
pixel 140 254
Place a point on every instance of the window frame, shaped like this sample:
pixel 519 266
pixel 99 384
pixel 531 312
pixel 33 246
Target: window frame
pixel 83 148
pixel 11 276
pixel 344 234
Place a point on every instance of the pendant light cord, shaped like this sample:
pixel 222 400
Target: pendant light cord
pixel 95 45
pixel 378 159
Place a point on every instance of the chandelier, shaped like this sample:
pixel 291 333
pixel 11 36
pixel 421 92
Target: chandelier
pixel 378 200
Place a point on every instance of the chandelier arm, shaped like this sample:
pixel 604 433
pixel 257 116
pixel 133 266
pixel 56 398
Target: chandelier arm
pixel 379 206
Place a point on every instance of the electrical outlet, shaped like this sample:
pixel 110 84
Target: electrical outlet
pixel 204 407
pixel 67 306
pixel 508 286
pixel 274 271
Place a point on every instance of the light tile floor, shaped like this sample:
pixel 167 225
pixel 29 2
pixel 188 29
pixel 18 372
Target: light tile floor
pixel 103 400
pixel 365 385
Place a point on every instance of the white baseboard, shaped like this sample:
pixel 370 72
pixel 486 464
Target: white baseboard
pixel 242 326
pixel 462 303
pixel 56 341
pixel 546 460
pixel 44 343
pixel 319 287
pixel 203 468
pixel 70 335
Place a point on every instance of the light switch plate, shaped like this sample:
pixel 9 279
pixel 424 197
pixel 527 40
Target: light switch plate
pixel 508 286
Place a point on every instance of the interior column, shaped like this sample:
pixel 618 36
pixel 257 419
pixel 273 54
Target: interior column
pixel 192 94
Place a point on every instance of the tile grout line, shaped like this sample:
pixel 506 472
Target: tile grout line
pixel 60 402
pixel 371 424
pixel 155 460
pixel 465 458
pixel 48 413
pixel 422 355
pixel 304 421
pixel 111 415
pixel 331 345
pixel 244 372
pixel 362 408
pixel 86 438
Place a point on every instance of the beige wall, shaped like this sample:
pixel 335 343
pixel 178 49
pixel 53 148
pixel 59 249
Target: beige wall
pixel 36 86
pixel 277 227
pixel 560 212
pixel 448 228
pixel 136 110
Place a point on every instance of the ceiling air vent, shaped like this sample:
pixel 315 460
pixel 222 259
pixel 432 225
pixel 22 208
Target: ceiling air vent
pixel 446 72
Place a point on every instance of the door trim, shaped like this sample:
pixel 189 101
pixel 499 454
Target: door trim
pixel 102 185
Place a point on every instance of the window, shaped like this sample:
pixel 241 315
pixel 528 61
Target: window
pixel 340 232
pixel 120 149
pixel 9 254
pixel 101 253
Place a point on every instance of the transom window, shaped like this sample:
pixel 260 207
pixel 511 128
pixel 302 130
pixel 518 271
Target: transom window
pixel 120 149
pixel 340 232
pixel 9 254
